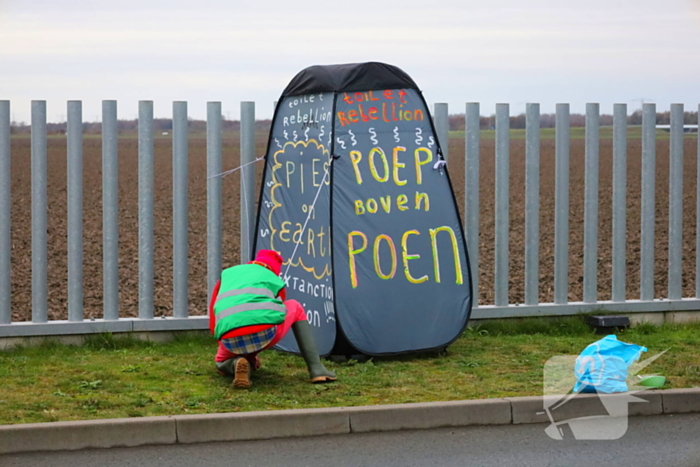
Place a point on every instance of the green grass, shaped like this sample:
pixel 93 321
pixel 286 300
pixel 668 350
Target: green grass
pixel 110 377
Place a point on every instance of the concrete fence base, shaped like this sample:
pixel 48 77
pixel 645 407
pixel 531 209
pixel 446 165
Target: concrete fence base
pixel 162 330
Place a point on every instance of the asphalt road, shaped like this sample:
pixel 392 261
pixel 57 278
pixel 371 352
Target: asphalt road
pixel 667 440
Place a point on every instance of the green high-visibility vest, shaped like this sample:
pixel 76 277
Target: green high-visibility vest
pixel 247 297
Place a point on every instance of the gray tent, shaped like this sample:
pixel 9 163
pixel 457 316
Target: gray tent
pixel 357 199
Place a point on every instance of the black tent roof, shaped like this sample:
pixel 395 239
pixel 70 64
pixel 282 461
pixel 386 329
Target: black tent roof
pixel 348 77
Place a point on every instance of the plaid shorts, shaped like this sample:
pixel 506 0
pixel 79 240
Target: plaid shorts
pixel 250 343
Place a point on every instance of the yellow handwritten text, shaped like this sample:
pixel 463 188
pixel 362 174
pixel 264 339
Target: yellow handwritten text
pixel 378 164
pixel 422 201
pixel 358 242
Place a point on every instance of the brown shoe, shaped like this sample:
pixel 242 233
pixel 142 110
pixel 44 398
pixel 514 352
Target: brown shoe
pixel 242 374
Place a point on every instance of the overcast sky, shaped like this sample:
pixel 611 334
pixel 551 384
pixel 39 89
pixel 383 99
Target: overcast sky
pixel 513 51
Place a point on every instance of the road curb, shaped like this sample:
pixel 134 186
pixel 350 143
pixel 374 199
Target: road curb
pixel 261 425
pixel 62 436
pixel 185 429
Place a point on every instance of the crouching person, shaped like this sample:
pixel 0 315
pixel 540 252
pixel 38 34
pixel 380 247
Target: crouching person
pixel 248 313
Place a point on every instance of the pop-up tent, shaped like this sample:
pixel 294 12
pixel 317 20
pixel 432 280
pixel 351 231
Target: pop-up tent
pixel 356 198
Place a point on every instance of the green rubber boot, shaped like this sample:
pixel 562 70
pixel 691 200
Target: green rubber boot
pixel 307 347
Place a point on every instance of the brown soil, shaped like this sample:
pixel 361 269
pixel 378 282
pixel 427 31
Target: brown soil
pixel 128 221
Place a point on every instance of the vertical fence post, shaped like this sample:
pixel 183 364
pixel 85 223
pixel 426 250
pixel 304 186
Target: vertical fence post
pixel 74 130
pixel 180 208
pixel 442 127
pixel 110 209
pixel 675 200
pixel 590 234
pixel 648 220
pixel 697 216
pixel 247 179
pixel 532 203
pixel 619 218
pixel 502 204
pixel 561 206
pixel 213 194
pixel 146 196
pixel 471 192
pixel 5 216
pixel 39 214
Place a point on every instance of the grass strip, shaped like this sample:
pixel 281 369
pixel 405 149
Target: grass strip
pixel 116 377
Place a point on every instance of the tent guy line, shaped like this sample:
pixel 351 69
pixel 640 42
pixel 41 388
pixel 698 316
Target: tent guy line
pixel 308 216
pixel 296 246
pixel 229 172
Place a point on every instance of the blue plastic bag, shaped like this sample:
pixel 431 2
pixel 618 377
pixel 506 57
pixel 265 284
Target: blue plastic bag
pixel 603 365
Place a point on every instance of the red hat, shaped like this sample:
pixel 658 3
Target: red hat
pixel 271 259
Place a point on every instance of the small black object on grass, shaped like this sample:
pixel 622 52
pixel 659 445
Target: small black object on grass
pixel 608 324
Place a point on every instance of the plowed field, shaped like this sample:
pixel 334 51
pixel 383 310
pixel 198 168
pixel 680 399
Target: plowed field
pixel 128 220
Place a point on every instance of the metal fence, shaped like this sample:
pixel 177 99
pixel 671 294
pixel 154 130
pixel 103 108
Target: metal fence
pixel 111 321
pixel 646 302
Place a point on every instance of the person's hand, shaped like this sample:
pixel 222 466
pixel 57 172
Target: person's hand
pixel 255 362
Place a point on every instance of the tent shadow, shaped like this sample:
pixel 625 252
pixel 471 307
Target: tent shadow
pixel 405 357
